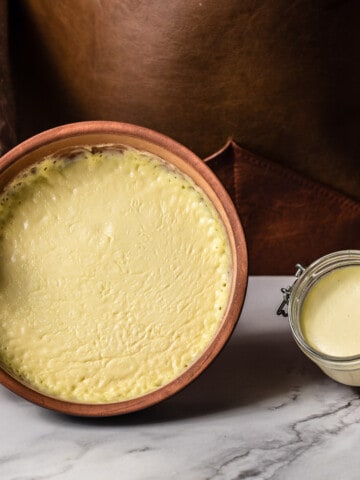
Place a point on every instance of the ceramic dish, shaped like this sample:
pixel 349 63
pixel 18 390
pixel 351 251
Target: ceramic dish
pixel 70 137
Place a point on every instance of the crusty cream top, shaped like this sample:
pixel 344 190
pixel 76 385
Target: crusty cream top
pixel 115 275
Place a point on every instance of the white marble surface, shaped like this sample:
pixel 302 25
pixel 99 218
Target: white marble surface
pixel 261 411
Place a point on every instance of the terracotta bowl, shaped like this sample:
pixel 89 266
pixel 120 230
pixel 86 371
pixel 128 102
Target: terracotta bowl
pixel 99 133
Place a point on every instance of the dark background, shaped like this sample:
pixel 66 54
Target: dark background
pixel 281 77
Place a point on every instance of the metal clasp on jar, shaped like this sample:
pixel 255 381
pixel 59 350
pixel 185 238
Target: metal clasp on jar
pixel 286 291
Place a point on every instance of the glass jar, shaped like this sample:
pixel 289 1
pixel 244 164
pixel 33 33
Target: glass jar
pixel 344 369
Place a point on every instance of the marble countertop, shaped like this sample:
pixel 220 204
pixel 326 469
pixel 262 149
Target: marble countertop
pixel 261 411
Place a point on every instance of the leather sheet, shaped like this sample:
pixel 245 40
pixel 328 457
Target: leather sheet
pixel 279 77
pixel 7 108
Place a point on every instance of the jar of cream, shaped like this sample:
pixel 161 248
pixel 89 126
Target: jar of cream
pixel 323 306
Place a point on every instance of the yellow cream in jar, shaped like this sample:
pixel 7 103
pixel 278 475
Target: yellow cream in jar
pixel 115 275
pixel 330 313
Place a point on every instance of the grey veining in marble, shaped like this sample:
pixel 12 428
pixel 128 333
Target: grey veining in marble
pixel 261 411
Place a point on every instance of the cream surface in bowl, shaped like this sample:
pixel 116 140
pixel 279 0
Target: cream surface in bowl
pixel 123 268
pixel 116 274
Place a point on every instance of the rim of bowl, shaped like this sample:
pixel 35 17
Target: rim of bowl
pixel 230 219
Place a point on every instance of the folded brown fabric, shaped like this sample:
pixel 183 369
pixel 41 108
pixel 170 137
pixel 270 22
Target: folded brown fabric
pixel 287 217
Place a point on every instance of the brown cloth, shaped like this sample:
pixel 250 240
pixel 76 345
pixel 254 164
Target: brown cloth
pixel 7 108
pixel 280 77
pixel 287 218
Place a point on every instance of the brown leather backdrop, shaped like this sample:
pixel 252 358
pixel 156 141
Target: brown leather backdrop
pixel 7 126
pixel 280 77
